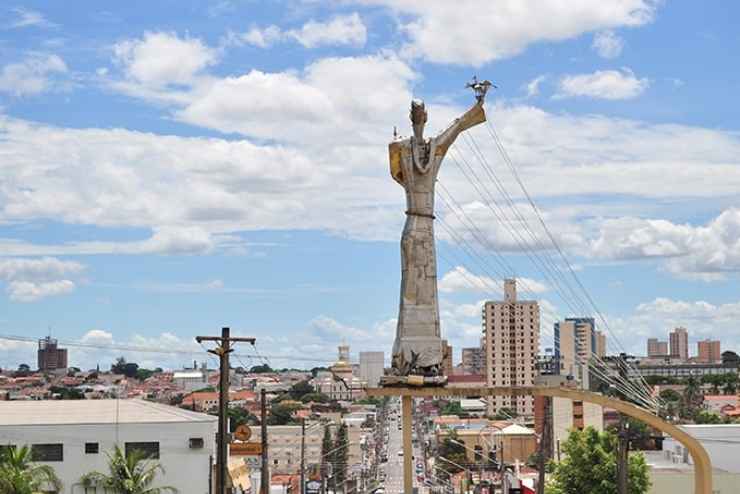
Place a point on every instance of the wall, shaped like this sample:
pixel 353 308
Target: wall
pixel 186 469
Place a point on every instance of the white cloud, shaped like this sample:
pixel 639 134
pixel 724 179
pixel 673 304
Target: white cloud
pixel 707 252
pixel 533 86
pixel 28 18
pixel 459 279
pixel 29 280
pixel 607 44
pixel 603 84
pixel 161 58
pixel 339 30
pixel 474 32
pixel 33 75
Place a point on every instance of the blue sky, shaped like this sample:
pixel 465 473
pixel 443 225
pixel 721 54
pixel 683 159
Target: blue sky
pixel 169 168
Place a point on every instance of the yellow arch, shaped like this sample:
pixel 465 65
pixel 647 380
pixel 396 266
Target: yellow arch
pixel 702 463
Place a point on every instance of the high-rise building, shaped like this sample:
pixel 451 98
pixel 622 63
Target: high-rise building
pixel 446 358
pixel 50 356
pixel 600 344
pixel 372 365
pixel 708 351
pixel 473 360
pixel 656 348
pixel 679 339
pixel 575 345
pixel 511 330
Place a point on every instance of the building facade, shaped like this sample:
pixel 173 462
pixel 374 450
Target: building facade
pixel 657 348
pixel 473 360
pixel 709 351
pixel 50 357
pixel 600 344
pixel 372 365
pixel 284 446
pixel 73 437
pixel 340 382
pixel 575 346
pixel 679 340
pixel 511 330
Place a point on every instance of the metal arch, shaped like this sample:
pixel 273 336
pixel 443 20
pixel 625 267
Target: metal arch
pixel 702 462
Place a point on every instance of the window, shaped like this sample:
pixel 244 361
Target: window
pixel 92 448
pixel 47 452
pixel 148 449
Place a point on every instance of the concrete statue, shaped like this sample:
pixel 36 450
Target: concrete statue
pixel 414 164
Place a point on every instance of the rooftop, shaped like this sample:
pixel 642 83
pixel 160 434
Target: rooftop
pixel 70 412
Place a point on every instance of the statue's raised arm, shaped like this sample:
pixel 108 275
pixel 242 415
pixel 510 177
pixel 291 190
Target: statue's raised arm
pixel 474 116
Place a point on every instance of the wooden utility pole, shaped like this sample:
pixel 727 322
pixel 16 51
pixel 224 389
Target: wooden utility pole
pixel 302 490
pixel 222 351
pixel 265 472
pixel 544 450
pixel 622 436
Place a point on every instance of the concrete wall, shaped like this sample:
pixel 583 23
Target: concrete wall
pixel 672 482
pixel 186 469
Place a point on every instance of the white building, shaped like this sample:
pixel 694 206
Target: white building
pixel 372 366
pixel 190 379
pixel 511 330
pixel 73 437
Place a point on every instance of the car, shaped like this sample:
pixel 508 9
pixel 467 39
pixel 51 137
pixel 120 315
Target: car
pixel 400 452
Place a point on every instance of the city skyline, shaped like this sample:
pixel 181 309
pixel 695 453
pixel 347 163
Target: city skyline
pixel 246 184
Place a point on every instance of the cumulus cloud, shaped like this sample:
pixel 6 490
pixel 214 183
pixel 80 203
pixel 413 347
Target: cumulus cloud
pixel 33 75
pixel 339 30
pixel 459 279
pixel 472 32
pixel 29 280
pixel 607 44
pixel 160 58
pixel 603 84
pixel 708 252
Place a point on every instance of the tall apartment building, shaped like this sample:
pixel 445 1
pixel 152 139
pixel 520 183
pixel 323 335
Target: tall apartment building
pixel 372 365
pixel 679 339
pixel 600 350
pixel 50 356
pixel 446 358
pixel 511 330
pixel 575 344
pixel 656 348
pixel 708 351
pixel 473 360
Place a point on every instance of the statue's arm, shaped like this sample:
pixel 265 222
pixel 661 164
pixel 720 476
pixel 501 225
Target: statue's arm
pixel 474 116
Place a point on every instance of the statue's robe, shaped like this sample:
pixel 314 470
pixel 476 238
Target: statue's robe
pixel 415 165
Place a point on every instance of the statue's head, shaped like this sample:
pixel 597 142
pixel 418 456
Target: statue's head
pixel 418 116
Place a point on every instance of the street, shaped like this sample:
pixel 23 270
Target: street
pixel 394 467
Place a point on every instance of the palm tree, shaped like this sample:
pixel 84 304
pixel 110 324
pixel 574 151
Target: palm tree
pixel 129 474
pixel 18 474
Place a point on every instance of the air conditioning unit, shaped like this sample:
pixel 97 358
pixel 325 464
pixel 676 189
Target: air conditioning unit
pixel 196 442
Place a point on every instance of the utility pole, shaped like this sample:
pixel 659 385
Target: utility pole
pixel 622 437
pixel 303 456
pixel 265 473
pixel 222 351
pixel 544 450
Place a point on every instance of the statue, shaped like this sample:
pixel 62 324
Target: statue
pixel 414 163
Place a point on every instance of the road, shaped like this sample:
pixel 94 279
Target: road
pixel 394 467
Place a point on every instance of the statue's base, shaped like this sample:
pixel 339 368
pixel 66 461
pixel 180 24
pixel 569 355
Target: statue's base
pixel 412 381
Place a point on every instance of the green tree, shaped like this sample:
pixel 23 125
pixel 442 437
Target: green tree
pixel 128 474
pixel 452 408
pixel 730 383
pixel 260 369
pixel 326 453
pixel 144 374
pixel 299 389
pixel 670 395
pixel 453 451
pixel 341 455
pixel 19 475
pixel 282 413
pixel 707 417
pixel 692 399
pixel 316 398
pixel 67 393
pixel 239 416
pixel 590 466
